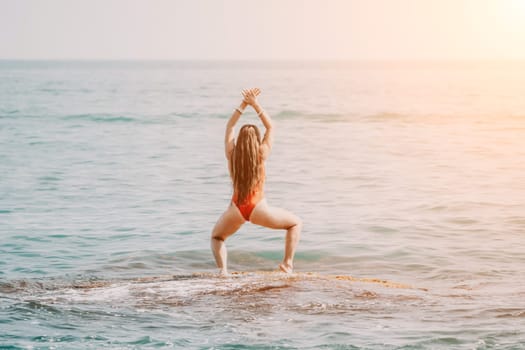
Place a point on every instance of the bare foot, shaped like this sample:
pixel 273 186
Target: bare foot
pixel 287 268
pixel 223 273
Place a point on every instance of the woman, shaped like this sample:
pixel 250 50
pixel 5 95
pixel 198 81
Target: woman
pixel 246 166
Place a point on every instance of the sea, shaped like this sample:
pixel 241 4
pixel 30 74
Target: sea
pixel 409 177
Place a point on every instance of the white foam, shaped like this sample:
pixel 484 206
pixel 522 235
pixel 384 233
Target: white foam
pixel 144 290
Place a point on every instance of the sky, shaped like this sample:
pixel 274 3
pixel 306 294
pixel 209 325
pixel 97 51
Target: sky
pixel 263 29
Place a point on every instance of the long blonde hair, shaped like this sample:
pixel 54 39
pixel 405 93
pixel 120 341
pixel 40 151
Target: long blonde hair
pixel 246 162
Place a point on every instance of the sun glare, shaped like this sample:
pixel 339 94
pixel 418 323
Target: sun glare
pixel 516 11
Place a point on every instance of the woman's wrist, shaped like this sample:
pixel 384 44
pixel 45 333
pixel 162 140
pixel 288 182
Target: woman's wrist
pixel 257 107
pixel 242 107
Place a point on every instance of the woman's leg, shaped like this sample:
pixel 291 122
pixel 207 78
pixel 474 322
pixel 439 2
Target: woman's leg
pixel 228 224
pixel 278 218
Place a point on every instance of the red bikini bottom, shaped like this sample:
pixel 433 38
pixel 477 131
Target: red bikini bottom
pixel 249 203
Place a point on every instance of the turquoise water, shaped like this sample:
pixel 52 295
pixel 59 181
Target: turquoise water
pixel 112 175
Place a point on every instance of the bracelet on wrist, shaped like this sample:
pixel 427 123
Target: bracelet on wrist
pixel 239 110
pixel 261 112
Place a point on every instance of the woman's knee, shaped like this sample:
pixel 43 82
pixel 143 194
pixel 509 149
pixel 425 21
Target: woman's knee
pixel 218 238
pixel 297 222
pixel 219 235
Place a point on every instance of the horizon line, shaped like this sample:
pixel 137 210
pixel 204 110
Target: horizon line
pixel 269 60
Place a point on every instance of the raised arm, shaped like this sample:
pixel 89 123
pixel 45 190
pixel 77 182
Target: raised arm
pixel 251 98
pixel 229 137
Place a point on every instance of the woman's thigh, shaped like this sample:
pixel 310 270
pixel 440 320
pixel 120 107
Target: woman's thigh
pixel 273 217
pixel 229 222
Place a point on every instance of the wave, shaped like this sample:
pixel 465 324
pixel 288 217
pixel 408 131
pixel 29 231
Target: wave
pixel 183 285
pixel 397 116
pixel 104 118
pixel 284 114
pixel 243 301
pixel 296 114
pixel 350 116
